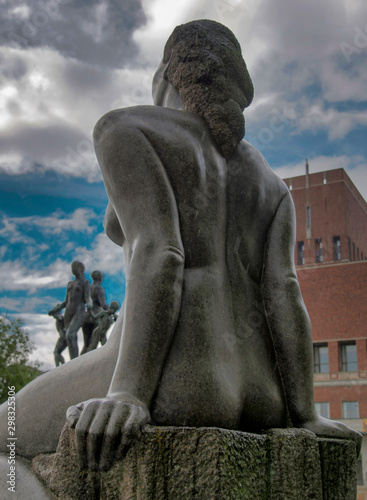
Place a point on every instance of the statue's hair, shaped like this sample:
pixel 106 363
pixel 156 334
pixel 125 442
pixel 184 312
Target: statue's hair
pixel 207 68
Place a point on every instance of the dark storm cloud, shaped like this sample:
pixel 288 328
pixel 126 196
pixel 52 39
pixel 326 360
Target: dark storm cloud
pixel 12 69
pixel 59 147
pixel 51 139
pixel 97 32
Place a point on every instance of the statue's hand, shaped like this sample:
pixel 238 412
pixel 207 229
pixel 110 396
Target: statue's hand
pixel 324 427
pixel 105 428
pixel 55 309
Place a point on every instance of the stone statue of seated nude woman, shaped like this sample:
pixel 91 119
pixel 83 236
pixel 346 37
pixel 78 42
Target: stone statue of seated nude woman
pixel 214 331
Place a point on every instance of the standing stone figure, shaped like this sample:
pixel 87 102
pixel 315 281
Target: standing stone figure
pixel 214 331
pixel 104 319
pixel 98 297
pixel 77 297
pixel 61 343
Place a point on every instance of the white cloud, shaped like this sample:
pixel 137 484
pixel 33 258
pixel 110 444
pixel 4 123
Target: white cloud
pixel 22 11
pixel 343 85
pixel 8 304
pixel 103 255
pixel 15 275
pixel 79 221
pixel 10 232
pixel 3 251
pixel 57 223
pixel 47 114
pixel 42 332
pixel 337 123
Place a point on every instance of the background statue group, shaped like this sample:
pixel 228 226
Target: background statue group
pixel 85 307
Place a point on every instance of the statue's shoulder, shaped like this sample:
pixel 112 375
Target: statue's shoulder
pixel 255 169
pixel 143 117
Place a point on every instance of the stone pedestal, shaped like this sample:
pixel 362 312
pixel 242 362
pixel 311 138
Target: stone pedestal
pixel 180 463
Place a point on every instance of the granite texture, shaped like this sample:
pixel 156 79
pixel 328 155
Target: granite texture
pixel 214 331
pixel 182 463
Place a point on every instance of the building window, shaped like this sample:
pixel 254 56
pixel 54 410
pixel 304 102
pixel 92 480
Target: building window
pixel 323 409
pixel 350 409
pixel 300 253
pixel 337 248
pixel 320 358
pixel 318 250
pixel 308 211
pixel 348 357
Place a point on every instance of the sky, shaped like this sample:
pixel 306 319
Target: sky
pixel 65 63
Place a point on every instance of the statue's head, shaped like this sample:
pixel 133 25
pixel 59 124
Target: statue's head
pixel 114 305
pixel 77 267
pixel 203 61
pixel 97 275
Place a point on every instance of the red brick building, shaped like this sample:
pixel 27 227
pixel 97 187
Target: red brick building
pixel 331 253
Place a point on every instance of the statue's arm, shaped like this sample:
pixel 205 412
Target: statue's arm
pixel 142 198
pixel 56 309
pixel 87 295
pixel 287 316
pixel 112 226
pixel 98 314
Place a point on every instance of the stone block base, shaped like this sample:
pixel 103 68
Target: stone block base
pixel 181 463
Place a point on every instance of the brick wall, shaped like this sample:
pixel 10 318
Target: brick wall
pixel 336 299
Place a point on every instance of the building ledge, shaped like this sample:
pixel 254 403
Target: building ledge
pixel 322 377
pixel 340 382
pixel 322 265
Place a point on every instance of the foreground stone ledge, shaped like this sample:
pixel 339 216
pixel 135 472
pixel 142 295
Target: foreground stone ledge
pixel 173 463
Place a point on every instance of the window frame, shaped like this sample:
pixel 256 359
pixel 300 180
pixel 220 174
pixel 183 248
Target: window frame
pixel 316 357
pixel 350 410
pixel 343 356
pixel 320 410
pixel 337 248
pixel 300 253
pixel 318 250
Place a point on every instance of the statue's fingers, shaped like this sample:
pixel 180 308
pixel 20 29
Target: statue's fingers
pixel 112 436
pixel 73 412
pixel 138 417
pixel 81 431
pixel 96 434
